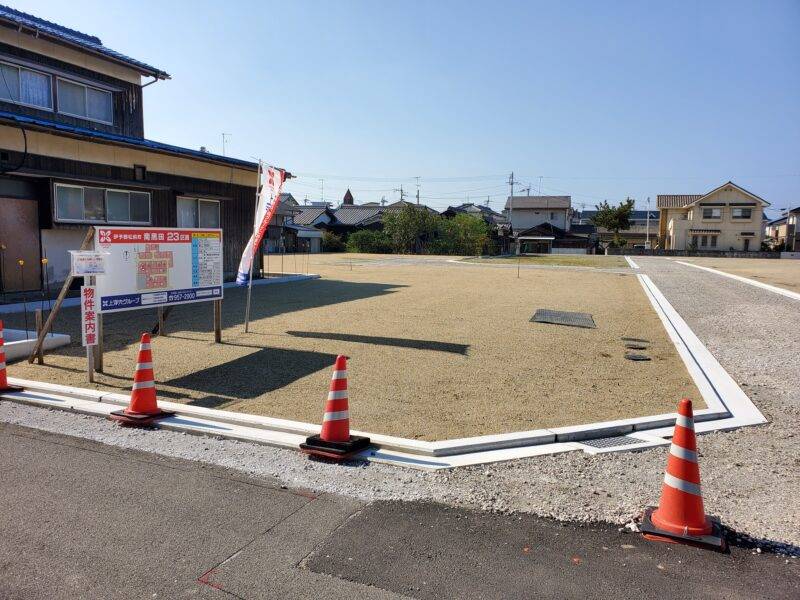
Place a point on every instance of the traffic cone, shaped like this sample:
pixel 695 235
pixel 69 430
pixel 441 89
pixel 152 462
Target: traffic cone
pixel 4 385
pixel 680 516
pixel 335 441
pixel 143 408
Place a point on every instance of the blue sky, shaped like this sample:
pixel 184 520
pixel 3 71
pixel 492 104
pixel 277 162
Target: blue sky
pixel 599 99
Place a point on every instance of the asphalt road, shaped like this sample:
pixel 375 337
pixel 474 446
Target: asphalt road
pixel 83 520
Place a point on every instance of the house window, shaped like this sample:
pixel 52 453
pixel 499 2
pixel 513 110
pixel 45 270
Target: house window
pixel 552 216
pixel 694 240
pixel 704 241
pixel 712 213
pixel 741 213
pixel 78 100
pixel 99 205
pixel 713 241
pixel 25 86
pixel 198 212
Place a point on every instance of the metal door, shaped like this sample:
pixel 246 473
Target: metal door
pixel 19 240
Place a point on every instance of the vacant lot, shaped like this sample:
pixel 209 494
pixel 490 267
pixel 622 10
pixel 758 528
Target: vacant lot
pixel 783 273
pixel 437 350
pixel 561 260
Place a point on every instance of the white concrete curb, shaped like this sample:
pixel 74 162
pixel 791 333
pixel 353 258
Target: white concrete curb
pixel 727 407
pixel 753 282
pixel 631 262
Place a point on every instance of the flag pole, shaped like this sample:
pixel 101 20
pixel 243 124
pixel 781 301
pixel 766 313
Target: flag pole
pixel 253 254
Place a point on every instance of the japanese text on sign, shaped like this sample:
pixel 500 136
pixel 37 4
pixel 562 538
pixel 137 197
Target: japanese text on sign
pixel 88 315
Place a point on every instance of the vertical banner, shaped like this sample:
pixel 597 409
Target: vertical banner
pixel 266 204
pixel 88 315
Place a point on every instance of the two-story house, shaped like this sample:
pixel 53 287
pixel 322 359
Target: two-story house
pixel 73 154
pixel 525 212
pixel 726 218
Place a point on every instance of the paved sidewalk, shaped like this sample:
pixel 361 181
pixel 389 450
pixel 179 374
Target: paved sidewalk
pixel 84 520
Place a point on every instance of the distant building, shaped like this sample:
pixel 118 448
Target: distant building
pixel 793 230
pixel 726 218
pixel 639 234
pixel 524 212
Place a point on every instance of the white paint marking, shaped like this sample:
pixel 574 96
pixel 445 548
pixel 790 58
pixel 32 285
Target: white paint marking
pixel 631 262
pixel 753 282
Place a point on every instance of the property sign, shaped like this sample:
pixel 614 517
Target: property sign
pixel 87 262
pixel 88 315
pixel 155 266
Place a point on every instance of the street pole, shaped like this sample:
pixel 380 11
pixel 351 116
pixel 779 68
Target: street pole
pixel 253 252
pixel 511 206
pixel 647 235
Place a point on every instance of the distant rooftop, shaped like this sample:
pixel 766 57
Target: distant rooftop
pixel 70 37
pixel 540 202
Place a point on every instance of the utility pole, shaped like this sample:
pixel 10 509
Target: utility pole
pixel 322 190
pixel 417 178
pixel 402 193
pixel 540 185
pixel 225 137
pixel 647 235
pixel 511 203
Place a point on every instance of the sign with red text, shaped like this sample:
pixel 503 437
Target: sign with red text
pixel 89 315
pixel 156 266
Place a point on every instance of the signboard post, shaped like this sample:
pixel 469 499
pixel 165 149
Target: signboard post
pixel 89 324
pixel 158 267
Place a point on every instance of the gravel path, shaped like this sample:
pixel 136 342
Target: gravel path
pixel 751 477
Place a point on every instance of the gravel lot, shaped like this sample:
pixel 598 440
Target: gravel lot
pixel 751 477
pixel 783 273
pixel 452 342
pixel 566 260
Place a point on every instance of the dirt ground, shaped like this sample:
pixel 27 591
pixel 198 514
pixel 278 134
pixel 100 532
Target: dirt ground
pixel 783 272
pixel 437 350
pixel 565 260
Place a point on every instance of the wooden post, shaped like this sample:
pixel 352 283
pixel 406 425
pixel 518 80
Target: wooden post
pixel 161 329
pixel 61 295
pixel 39 326
pixel 217 321
pixel 98 352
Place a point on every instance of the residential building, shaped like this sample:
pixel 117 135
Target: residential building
pixel 73 154
pixel 775 232
pixel 524 212
pixel 549 239
pixel 793 230
pixel 643 232
pixel 726 218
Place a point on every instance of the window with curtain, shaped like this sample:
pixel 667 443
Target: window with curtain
pixel 79 100
pixel 198 212
pixel 18 84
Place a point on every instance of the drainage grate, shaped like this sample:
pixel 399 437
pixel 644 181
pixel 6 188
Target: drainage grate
pixel 560 317
pixel 611 442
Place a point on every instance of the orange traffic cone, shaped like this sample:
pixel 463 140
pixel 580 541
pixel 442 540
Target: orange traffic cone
pixel 335 441
pixel 4 385
pixel 680 516
pixel 143 408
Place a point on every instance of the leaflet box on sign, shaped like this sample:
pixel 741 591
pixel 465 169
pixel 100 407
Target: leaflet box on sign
pixel 87 263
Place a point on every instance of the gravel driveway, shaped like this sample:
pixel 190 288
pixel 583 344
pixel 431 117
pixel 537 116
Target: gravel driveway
pixel 751 477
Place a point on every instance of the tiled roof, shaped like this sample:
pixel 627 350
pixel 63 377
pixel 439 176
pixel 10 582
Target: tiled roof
pixel 543 202
pixel 124 140
pixel 357 215
pixel 71 37
pixel 308 215
pixel 676 201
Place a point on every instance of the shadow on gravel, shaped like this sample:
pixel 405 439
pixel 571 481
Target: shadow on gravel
pixel 385 341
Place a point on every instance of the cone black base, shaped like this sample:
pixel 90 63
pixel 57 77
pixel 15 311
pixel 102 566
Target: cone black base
pixel 713 541
pixel 316 446
pixel 123 417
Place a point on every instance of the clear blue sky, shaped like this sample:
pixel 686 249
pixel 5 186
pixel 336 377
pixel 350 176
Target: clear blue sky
pixel 600 99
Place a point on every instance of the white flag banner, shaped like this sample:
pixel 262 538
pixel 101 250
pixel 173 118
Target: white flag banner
pixel 265 209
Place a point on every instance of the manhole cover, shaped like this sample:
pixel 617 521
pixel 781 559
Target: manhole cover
pixel 637 357
pixel 611 442
pixel 561 317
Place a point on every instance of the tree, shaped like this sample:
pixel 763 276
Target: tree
pixel 331 242
pixel 367 240
pixel 614 218
pixel 410 228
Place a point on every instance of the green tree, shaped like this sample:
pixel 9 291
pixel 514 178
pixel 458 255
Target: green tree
pixel 614 218
pixel 410 228
pixel 331 242
pixel 472 232
pixel 367 240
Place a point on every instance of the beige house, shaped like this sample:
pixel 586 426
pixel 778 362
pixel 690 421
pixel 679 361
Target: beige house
pixel 524 212
pixel 726 218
